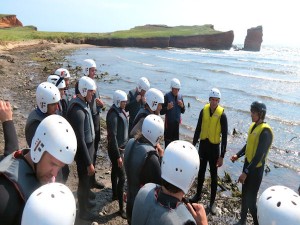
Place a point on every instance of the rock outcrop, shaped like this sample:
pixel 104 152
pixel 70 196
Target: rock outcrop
pixel 10 21
pixel 219 41
pixel 253 39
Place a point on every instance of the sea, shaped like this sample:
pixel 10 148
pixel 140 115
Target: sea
pixel 271 75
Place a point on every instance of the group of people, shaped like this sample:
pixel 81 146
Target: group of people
pixel 62 129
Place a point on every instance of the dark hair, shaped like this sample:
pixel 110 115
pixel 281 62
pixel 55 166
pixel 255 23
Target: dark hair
pixel 170 187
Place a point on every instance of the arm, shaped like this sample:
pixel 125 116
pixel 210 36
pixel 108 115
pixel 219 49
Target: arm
pixel 112 128
pixel 76 119
pixel 224 131
pixel 198 128
pixel 30 131
pixel 164 106
pixel 9 131
pixel 11 204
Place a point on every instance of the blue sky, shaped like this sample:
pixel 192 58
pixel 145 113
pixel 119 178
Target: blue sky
pixel 280 19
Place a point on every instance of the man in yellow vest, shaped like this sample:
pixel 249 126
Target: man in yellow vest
pixel 212 128
pixel 260 137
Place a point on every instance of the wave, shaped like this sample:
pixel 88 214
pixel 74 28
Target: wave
pixel 133 61
pixel 253 76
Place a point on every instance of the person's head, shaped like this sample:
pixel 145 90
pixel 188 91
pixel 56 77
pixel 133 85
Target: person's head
pixel 86 88
pixel 278 205
pixel 175 86
pixel 50 204
pixel 154 99
pixel 54 144
pixel 64 73
pixel 89 68
pixel 143 85
pixel 180 165
pixel 153 129
pixel 47 97
pixel 120 99
pixel 59 82
pixel 214 98
pixel 258 111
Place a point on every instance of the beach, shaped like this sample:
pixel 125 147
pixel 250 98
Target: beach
pixel 26 64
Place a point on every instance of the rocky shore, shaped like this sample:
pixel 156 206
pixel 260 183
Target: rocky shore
pixel 22 67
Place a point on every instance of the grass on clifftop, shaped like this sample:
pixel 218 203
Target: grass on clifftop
pixel 5 15
pixel 147 31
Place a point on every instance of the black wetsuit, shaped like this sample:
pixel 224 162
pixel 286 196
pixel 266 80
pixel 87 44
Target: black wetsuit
pixel 84 155
pixel 254 175
pixel 209 153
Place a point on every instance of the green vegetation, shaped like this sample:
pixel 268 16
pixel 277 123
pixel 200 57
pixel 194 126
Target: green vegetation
pixel 5 15
pixel 147 31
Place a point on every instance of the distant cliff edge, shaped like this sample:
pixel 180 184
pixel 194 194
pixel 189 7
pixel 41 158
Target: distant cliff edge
pixel 7 21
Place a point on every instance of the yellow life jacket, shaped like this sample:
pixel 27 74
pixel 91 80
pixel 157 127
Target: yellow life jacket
pixel 211 126
pixel 252 141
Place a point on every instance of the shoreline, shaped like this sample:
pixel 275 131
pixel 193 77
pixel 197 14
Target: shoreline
pixel 32 63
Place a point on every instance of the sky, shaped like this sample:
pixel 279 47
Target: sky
pixel 279 18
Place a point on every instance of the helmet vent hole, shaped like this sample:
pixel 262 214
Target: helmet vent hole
pixel 176 169
pixel 60 150
pixel 39 193
pixel 52 196
pixel 278 204
pixel 67 130
pixel 269 198
pixel 67 147
pixel 294 203
pixel 44 134
pixel 62 192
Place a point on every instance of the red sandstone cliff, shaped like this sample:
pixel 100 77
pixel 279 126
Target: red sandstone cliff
pixel 253 39
pixel 219 41
pixel 10 21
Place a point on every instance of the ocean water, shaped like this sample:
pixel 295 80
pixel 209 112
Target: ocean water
pixel 271 75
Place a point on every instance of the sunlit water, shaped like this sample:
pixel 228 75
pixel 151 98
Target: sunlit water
pixel 271 75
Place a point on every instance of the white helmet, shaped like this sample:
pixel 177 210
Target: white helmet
pixel 143 84
pixel 119 96
pixel 46 93
pixel 62 73
pixel 57 81
pixel 87 64
pixel 55 136
pixel 153 128
pixel 278 205
pixel 214 93
pixel 86 84
pixel 175 83
pixel 153 98
pixel 180 164
pixel 50 204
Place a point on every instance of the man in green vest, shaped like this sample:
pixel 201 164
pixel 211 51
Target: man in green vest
pixel 212 128
pixel 260 137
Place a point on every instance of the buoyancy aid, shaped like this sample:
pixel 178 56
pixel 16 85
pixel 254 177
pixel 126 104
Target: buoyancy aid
pixel 253 140
pixel 18 171
pixel 211 125
pixel 89 132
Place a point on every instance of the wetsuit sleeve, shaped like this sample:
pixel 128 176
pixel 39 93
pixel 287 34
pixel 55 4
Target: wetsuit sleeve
pixel 10 137
pixel 241 152
pixel 265 141
pixel 198 128
pixel 11 204
pixel 164 106
pixel 182 110
pixel 76 119
pixel 151 172
pixel 224 131
pixel 112 128
pixel 31 131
